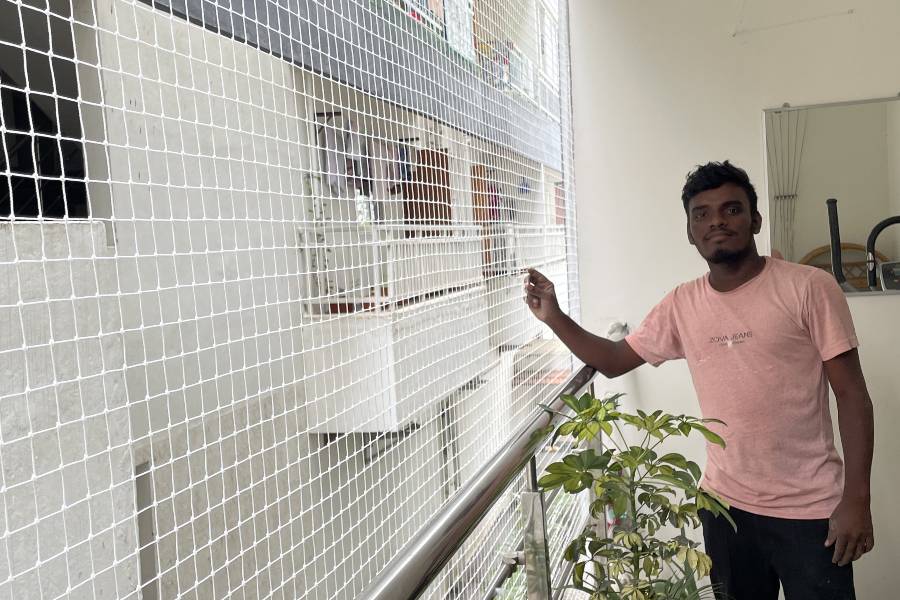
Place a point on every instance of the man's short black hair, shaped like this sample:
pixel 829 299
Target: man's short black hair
pixel 716 174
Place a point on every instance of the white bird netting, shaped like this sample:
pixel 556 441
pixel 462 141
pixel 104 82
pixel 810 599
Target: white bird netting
pixel 260 286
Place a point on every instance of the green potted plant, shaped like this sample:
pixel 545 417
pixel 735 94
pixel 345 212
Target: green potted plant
pixel 648 500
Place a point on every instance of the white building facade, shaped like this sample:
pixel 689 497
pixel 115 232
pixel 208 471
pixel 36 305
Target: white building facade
pixel 260 286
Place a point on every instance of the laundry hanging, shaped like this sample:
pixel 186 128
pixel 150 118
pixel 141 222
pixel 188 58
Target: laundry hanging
pixel 344 156
pixel 386 175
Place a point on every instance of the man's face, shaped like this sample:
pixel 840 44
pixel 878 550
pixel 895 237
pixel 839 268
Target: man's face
pixel 721 225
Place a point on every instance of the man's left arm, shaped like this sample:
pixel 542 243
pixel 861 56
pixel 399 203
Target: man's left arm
pixel 850 526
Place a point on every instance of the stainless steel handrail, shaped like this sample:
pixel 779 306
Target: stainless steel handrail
pixel 421 559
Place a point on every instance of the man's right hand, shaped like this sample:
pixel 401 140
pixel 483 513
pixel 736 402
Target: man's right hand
pixel 540 296
pixel 610 358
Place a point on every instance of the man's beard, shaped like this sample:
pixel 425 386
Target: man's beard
pixel 722 256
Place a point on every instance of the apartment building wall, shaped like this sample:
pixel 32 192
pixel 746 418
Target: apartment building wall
pixel 67 479
pixel 169 412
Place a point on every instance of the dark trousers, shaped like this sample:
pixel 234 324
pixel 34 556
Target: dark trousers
pixel 749 564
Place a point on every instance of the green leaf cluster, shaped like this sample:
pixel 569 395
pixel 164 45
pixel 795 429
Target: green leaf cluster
pixel 641 493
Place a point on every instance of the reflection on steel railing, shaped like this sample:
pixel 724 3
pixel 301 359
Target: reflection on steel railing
pixel 410 572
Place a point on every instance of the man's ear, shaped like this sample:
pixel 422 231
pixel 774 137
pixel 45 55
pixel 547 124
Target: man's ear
pixel 690 236
pixel 756 222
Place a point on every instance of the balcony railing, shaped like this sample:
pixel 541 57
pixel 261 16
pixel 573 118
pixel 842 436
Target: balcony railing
pixel 356 267
pixel 510 249
pixel 353 267
pixel 410 572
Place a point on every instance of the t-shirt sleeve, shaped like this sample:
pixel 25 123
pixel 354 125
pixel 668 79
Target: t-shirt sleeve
pixel 827 316
pixel 656 340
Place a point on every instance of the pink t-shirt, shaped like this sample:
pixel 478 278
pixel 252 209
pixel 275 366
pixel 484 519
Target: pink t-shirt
pixel 755 354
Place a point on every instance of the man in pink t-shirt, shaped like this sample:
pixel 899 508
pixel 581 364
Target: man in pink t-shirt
pixel 763 339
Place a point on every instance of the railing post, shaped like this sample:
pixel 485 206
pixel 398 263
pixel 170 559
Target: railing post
pixel 537 556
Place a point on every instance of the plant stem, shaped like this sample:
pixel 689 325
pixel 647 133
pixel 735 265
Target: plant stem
pixel 613 439
pixel 621 435
pixel 636 556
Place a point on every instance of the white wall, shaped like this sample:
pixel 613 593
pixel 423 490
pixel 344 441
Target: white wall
pixel 660 87
pixel 66 487
pixel 877 575
pixel 203 135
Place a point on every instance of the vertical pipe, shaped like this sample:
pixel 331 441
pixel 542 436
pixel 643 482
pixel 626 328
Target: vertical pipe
pixel 837 265
pixel 537 555
pixel 532 475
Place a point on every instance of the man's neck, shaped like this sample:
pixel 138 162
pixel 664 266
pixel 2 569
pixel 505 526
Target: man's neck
pixel 726 276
